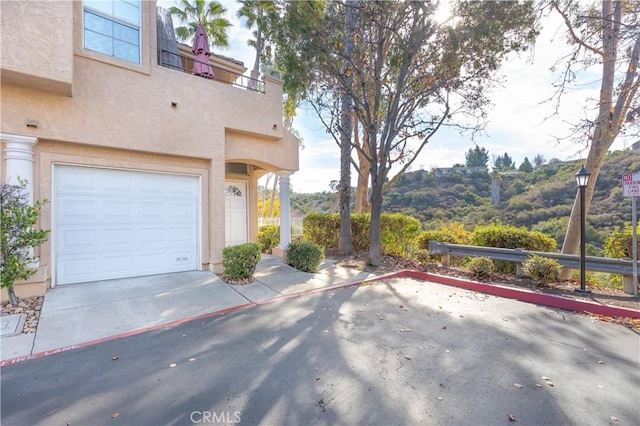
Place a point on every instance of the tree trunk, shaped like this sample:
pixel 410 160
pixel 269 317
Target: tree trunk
pixel 273 195
pixel 374 232
pixel 362 190
pixel 12 295
pixel 345 243
pixel 611 115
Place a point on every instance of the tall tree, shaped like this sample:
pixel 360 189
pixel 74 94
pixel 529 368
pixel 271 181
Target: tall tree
pixel 526 166
pixel 207 14
pixel 345 243
pixel 539 160
pixel 604 33
pixel 477 157
pixel 411 76
pixel 257 14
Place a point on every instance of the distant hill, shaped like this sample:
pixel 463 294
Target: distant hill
pixel 540 200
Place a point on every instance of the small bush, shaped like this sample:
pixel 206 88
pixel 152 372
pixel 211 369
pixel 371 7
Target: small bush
pixel 240 261
pixel 541 269
pixel 481 267
pixel 424 257
pixel 619 244
pixel 268 238
pixel 305 255
pixel 511 237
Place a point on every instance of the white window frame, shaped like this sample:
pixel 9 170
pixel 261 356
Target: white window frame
pixel 103 14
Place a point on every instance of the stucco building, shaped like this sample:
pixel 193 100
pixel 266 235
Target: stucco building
pixel 147 168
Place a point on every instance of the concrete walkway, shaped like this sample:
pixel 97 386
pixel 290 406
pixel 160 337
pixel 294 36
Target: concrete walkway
pixel 76 314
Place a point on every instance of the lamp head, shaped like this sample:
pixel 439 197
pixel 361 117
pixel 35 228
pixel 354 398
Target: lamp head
pixel 582 177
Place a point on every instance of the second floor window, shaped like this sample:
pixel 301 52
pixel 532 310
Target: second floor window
pixel 113 28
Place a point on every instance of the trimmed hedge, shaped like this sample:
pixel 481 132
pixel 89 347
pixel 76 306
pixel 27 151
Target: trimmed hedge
pixel 397 231
pixel 305 255
pixel 240 261
pixel 268 237
pixel 619 244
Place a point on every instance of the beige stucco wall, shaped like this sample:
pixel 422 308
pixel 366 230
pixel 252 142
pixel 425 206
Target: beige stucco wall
pixel 123 116
pixel 37 44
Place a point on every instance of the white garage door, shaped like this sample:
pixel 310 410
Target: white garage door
pixel 119 223
pixel 235 213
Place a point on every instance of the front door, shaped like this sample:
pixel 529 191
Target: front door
pixel 235 212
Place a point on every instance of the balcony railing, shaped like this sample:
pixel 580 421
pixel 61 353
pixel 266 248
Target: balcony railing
pixel 208 71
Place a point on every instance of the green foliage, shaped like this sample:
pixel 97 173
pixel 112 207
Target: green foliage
pixel 240 261
pixel 511 237
pixel 619 244
pixel 18 233
pixel 541 269
pixel 268 237
pixel 452 233
pixel 397 231
pixel 477 157
pixel 208 14
pixel 424 257
pixel 481 267
pixel 305 255
pixel 526 166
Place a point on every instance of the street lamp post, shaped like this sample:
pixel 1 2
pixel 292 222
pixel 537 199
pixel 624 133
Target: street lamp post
pixel 582 179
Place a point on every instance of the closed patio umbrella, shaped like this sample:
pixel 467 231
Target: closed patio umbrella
pixel 200 48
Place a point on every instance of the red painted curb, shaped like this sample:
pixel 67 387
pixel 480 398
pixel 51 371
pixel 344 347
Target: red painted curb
pixel 528 296
pixel 126 334
pixel 522 295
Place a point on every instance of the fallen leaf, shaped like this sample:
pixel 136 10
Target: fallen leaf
pixel 602 362
pixel 518 385
pixel 538 385
pixel 115 357
pixel 544 378
pixel 114 415
pixel 512 418
pixel 614 419
pixel 173 364
pixel 407 357
pixel 439 398
pixel 401 306
pixel 191 359
pixel 444 327
pixel 550 383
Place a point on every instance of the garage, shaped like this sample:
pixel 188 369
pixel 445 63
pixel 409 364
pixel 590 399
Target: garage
pixel 112 223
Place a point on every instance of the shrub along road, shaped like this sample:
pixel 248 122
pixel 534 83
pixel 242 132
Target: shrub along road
pixel 396 352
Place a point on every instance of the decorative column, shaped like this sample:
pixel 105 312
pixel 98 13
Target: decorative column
pixel 285 211
pixel 18 156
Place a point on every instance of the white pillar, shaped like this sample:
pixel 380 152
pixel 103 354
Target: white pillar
pixel 18 156
pixel 285 210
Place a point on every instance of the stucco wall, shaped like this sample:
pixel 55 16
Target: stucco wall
pixel 37 44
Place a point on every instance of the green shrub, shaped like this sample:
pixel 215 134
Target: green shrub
pixel 18 235
pixel 541 269
pixel 619 244
pixel 397 231
pixel 481 267
pixel 240 261
pixel 511 237
pixel 268 238
pixel 424 257
pixel 452 233
pixel 305 255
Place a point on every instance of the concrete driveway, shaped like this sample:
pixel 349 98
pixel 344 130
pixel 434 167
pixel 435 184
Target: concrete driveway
pixel 400 351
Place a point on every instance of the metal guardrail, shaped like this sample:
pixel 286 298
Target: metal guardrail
pixel 517 256
pixel 186 64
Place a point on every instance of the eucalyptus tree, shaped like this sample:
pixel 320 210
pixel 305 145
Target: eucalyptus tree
pixel 200 12
pixel 411 76
pixel 605 34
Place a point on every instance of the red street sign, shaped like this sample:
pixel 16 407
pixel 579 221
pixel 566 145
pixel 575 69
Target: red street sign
pixel 631 185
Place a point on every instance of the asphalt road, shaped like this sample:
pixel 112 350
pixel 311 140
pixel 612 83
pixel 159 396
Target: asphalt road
pixel 392 353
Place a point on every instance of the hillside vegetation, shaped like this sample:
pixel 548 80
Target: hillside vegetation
pixel 539 200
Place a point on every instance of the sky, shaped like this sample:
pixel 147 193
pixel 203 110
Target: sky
pixel 521 122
